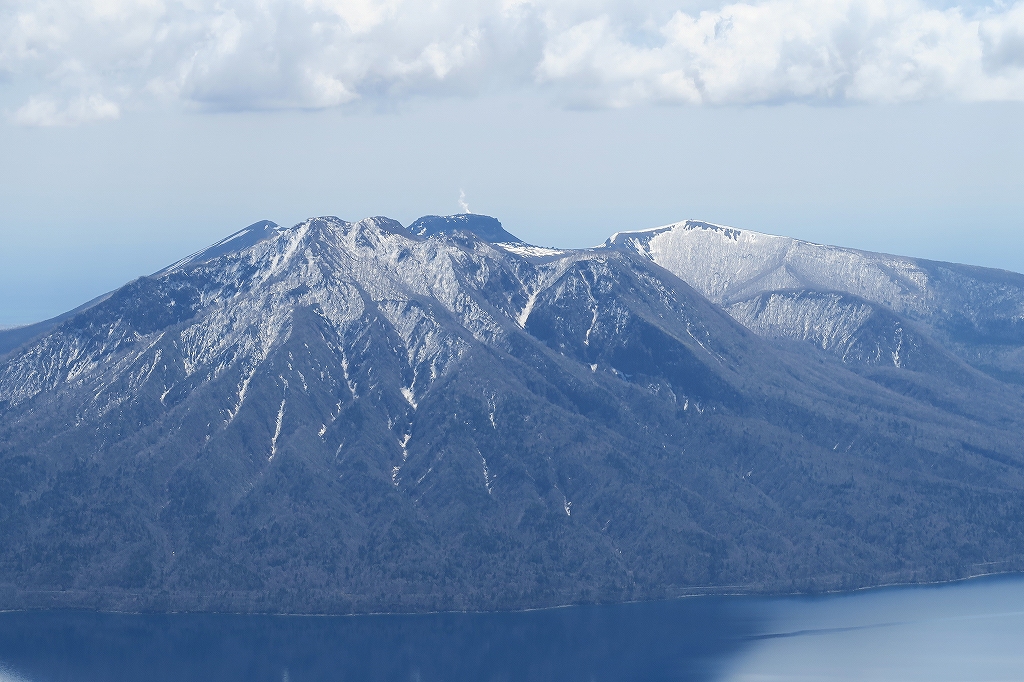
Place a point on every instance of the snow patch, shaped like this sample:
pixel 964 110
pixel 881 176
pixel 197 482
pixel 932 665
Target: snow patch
pixel 488 479
pixel 242 388
pixel 277 432
pixel 281 260
pixel 348 379
pixel 525 314
pixel 529 250
pixel 492 406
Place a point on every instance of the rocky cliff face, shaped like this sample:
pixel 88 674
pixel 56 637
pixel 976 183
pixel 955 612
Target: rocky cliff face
pixel 340 417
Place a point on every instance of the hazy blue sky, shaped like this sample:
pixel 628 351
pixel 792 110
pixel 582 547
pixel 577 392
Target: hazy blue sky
pixel 133 132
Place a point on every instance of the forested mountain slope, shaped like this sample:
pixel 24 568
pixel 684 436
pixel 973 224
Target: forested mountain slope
pixel 340 417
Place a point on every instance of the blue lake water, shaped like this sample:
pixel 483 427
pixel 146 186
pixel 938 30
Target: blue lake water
pixel 969 631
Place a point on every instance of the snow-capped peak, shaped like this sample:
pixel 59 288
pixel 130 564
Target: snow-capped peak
pixel 630 236
pixel 243 239
pixel 728 265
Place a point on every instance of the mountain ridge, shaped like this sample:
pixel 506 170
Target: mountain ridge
pixel 350 417
pixel 976 313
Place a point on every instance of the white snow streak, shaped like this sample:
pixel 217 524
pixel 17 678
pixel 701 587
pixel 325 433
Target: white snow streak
pixel 242 388
pixel 488 479
pixel 492 405
pixel 530 302
pixel 280 261
pixel 348 378
pixel 277 432
pixel 718 357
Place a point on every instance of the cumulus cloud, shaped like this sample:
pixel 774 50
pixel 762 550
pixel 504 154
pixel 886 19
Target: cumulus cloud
pixel 86 60
pixel 812 50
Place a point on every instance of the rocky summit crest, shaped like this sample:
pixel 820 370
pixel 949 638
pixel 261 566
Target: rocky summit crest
pixel 484 227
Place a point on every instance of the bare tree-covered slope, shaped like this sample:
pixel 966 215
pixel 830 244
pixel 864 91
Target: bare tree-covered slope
pixel 346 417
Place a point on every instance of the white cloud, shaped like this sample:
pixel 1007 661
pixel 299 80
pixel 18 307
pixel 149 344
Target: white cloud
pixel 88 59
pixel 812 50
pixel 39 111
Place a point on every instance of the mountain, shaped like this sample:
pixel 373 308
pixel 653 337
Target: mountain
pixel 349 417
pixel 975 313
pixel 484 227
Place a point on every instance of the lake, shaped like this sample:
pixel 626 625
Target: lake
pixel 968 631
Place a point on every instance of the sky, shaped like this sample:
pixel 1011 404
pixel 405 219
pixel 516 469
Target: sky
pixel 134 132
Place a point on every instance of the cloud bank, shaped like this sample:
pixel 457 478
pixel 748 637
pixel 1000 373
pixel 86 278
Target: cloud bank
pixel 87 60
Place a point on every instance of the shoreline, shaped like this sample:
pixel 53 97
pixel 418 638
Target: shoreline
pixel 710 593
